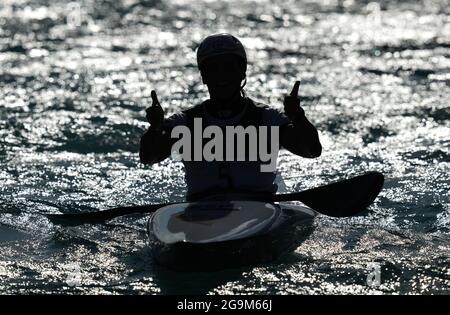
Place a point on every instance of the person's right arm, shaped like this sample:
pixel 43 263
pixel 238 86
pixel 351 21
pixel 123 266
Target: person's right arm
pixel 155 146
pixel 156 142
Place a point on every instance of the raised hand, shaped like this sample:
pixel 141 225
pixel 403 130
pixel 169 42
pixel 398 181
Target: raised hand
pixel 294 91
pixel 292 107
pixel 155 113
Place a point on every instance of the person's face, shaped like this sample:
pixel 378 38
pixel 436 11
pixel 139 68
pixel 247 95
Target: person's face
pixel 223 75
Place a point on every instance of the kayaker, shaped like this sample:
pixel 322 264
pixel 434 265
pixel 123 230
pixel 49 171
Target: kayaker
pixel 222 62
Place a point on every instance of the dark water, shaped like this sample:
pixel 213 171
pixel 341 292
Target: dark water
pixel 75 80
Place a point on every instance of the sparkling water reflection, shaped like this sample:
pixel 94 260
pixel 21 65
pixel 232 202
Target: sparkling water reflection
pixel 75 81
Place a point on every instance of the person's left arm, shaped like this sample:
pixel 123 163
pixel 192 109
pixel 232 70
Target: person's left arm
pixel 299 136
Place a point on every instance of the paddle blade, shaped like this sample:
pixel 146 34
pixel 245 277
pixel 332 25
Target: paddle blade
pixel 341 199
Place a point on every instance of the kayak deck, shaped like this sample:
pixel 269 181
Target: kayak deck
pixel 218 235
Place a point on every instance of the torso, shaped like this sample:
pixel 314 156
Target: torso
pixel 209 177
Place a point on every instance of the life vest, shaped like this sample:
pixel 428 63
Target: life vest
pixel 204 178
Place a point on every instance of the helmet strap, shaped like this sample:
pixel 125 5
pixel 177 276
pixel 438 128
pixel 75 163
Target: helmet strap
pixel 242 87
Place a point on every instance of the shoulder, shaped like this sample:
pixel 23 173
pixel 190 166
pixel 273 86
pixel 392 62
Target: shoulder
pixel 181 118
pixel 174 120
pixel 270 115
pixel 196 110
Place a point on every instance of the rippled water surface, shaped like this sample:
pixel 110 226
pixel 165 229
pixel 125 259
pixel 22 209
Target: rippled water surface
pixel 75 80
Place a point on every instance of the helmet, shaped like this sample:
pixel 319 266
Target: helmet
pixel 220 44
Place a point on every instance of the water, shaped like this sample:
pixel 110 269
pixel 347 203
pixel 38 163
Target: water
pixel 74 83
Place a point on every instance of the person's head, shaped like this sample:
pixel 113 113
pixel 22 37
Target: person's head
pixel 222 62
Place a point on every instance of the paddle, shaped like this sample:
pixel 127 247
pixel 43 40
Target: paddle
pixel 344 198
pixel 341 199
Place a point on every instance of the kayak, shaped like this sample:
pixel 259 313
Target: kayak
pixel 214 235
